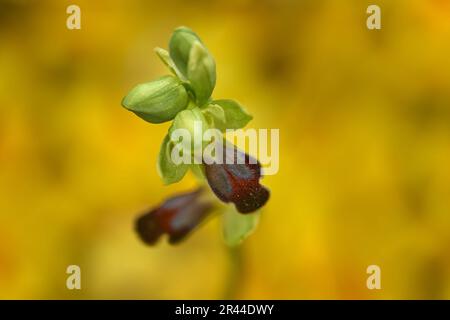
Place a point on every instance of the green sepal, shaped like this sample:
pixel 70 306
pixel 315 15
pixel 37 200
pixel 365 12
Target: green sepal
pixel 236 117
pixel 157 101
pixel 187 120
pixel 180 45
pixel 167 170
pixel 193 60
pixel 201 73
pixel 215 115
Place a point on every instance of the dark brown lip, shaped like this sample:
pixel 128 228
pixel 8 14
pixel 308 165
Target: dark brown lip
pixel 176 217
pixel 238 183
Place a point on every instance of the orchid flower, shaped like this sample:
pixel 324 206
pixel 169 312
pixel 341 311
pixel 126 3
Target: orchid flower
pixel 185 98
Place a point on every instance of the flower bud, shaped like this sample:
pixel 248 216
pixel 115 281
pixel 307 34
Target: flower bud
pixel 201 73
pixel 177 217
pixel 189 119
pixel 157 101
pixel 180 45
pixel 187 130
pixel 194 62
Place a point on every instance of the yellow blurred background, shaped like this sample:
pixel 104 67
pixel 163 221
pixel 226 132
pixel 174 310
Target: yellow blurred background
pixel 364 119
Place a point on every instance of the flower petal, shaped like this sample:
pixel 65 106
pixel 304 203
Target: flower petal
pixel 177 217
pixel 236 182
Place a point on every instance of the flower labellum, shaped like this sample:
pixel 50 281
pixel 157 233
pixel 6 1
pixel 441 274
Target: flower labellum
pixel 234 182
pixel 176 217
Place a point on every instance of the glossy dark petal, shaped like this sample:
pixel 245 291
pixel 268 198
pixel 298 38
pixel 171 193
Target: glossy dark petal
pixel 176 217
pixel 237 183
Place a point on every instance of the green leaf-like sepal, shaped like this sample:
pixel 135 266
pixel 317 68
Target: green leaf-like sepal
pixel 167 170
pixel 180 45
pixel 236 117
pixel 215 115
pixel 190 124
pixel 157 101
pixel 201 72
pixel 193 60
pixel 188 119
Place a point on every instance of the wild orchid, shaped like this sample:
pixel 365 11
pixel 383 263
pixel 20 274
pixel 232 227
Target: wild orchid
pixel 232 175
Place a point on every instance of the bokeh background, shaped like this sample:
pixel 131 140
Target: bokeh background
pixel 364 119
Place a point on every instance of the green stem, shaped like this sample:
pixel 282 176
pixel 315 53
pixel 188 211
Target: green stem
pixel 236 273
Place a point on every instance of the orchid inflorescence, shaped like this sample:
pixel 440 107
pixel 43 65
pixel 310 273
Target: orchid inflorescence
pixel 185 98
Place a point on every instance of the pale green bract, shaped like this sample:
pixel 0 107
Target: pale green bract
pixel 237 227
